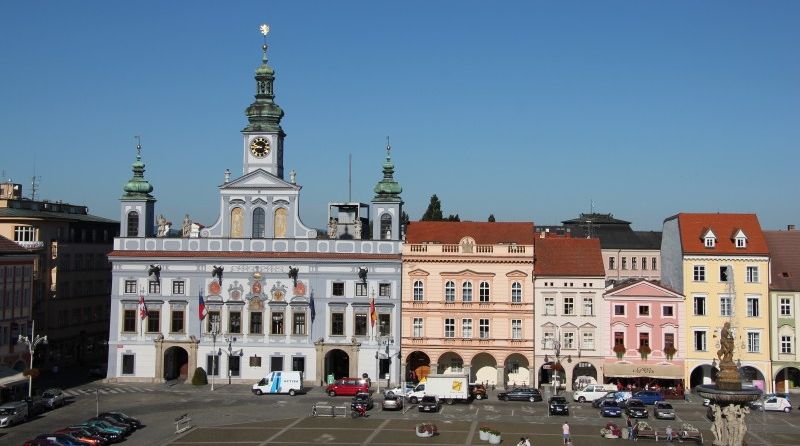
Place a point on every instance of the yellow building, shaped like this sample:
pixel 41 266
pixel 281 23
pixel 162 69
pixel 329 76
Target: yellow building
pixel 467 301
pixel 720 262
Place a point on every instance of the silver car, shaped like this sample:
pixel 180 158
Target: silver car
pixel 664 411
pixel 392 402
pixel 53 398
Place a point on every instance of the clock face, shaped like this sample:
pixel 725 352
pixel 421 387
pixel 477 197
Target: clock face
pixel 259 147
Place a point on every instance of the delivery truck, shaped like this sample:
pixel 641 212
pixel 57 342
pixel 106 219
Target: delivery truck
pixel 280 382
pixel 447 388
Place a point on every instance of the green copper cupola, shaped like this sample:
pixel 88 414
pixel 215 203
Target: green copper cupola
pixel 388 189
pixel 264 115
pixel 137 187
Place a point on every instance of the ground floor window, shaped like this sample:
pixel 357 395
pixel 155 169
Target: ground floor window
pixel 384 366
pixel 212 365
pixel 276 364
pixel 299 364
pixel 128 362
pixel 129 321
pixel 233 366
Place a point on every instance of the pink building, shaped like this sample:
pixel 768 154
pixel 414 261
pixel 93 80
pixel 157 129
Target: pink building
pixel 646 343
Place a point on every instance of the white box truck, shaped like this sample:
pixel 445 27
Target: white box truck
pixel 447 388
pixel 280 382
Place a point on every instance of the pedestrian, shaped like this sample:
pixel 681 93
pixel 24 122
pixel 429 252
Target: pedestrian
pixel 669 433
pixel 630 428
pixel 521 441
pixel 565 431
pixel 635 432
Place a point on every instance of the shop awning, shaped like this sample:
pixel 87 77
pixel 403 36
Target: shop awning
pixel 9 376
pixel 663 371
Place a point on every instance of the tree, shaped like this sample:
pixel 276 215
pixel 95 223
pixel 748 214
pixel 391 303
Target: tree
pixel 404 219
pixel 452 217
pixel 199 378
pixel 491 218
pixel 434 211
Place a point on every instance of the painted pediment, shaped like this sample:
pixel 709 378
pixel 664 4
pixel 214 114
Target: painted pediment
pixel 644 288
pixel 467 273
pixel 588 325
pixel 548 325
pixel 644 324
pixel 516 273
pixel 259 179
pixel 418 273
pixel 569 325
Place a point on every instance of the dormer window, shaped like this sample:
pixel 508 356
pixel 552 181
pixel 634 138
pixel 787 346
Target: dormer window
pixel 740 239
pixel 709 239
pixel 710 242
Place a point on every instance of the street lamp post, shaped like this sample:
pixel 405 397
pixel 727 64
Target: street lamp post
pixel 556 343
pixel 383 341
pixel 214 333
pixel 32 343
pixel 230 340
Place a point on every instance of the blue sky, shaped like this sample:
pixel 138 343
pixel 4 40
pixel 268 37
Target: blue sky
pixel 527 110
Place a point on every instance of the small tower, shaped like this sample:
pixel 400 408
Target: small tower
pixel 263 136
pixel 138 206
pixel 387 206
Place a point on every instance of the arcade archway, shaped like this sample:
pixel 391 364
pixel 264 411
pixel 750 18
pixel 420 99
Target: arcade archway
pixel 787 379
pixel 483 369
pixel 418 366
pixel 176 363
pixel 703 374
pixel 584 373
pixel 337 363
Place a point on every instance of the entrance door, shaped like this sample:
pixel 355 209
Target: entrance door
pixel 337 364
pixel 176 363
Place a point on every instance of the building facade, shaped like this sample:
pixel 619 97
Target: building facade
pixel 570 319
pixel 784 302
pixel 720 262
pixel 468 301
pixel 646 344
pixel 71 276
pixel 278 295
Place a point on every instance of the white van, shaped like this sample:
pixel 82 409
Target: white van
pixel 13 413
pixel 280 382
pixel 593 392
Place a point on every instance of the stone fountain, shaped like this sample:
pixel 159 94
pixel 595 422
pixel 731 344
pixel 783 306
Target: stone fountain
pixel 728 400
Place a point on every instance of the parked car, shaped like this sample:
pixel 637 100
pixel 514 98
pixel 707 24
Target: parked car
pixel 648 396
pixel 40 442
pixel 392 402
pixel 53 398
pixel 429 404
pixel 607 397
pixel 124 418
pixel 60 440
pixel 402 390
pixel 362 399
pixel 593 392
pixel 109 436
pixel 36 406
pixel 776 403
pixel 521 394
pixel 83 436
pixel 104 427
pixel 635 409
pixel 664 411
pixel 347 387
pixel 13 413
pixel 477 391
pixel 610 408
pixel 558 405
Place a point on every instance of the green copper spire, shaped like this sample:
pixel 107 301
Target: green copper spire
pixel 137 187
pixel 388 189
pixel 264 115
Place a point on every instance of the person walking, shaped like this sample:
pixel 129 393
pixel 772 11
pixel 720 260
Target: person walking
pixel 669 433
pixel 635 432
pixel 630 428
pixel 565 431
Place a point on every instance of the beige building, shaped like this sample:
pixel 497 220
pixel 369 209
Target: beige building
pixel 467 301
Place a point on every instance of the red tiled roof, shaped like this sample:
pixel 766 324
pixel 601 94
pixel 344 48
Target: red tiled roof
pixel 9 247
pixel 254 255
pixel 693 226
pixel 784 251
pixel 568 257
pixel 484 233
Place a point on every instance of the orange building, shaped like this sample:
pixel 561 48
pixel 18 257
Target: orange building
pixel 467 301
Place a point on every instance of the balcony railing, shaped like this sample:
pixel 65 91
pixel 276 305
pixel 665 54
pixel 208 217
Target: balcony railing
pixel 31 245
pixel 436 248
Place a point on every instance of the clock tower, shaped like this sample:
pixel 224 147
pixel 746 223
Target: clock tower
pixel 263 136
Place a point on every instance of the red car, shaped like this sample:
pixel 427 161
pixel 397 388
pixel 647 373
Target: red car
pixel 83 436
pixel 347 387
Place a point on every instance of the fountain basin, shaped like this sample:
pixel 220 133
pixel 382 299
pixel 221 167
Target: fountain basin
pixel 725 397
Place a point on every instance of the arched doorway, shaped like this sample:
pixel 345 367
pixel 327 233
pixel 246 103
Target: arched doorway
pixel 703 374
pixel 751 376
pixel 517 371
pixel 787 379
pixel 176 363
pixel 418 366
pixel 449 363
pixel 483 369
pixel 550 369
pixel 584 373
pixel 337 363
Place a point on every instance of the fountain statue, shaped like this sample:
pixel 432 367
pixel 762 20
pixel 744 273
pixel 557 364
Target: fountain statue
pixel 729 401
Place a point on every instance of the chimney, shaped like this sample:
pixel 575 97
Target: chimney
pixel 790 227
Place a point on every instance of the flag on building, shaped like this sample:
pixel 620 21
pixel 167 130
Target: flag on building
pixel 142 307
pixel 373 315
pixel 311 307
pixel 201 307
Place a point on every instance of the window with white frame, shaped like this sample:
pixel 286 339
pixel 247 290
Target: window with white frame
pixel 699 274
pixel 25 234
pixel 547 340
pixel 361 289
pixel 619 310
pixel 130 287
pixel 653 264
pixel 588 306
pixel 569 305
pixel 644 263
pixel 483 328
pixel 699 305
pixel 569 339
pixel 752 274
pixel 753 341
pixel 725 306
pixel 483 292
pixel 466 292
pixel 417 327
pixel 633 263
pixel 385 290
pixel 450 291
pixel 178 287
pixel 699 340
pixel 516 328
pixel 449 328
pixel 549 306
pixel 725 273
pixel 785 306
pixel 667 311
pixel 624 263
pixel 466 328
pixel 516 293
pixel 644 310
pixel 752 307
pixel 710 241
pixel 587 343
pixel 418 291
pixel 786 344
pixel 741 241
pixel 611 263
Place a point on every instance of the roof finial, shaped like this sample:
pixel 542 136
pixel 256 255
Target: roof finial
pixel 264 28
pixel 388 148
pixel 138 146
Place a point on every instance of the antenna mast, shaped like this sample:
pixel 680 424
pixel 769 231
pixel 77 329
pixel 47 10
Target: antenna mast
pixel 34 183
pixel 349 177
